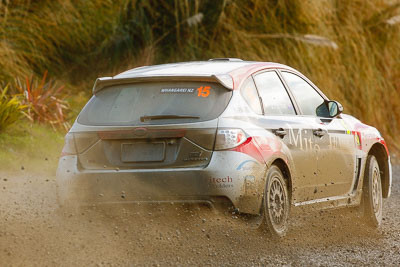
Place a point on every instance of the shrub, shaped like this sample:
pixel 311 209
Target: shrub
pixel 44 102
pixel 10 109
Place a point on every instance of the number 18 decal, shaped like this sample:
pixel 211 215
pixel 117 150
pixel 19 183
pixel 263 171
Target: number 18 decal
pixel 203 91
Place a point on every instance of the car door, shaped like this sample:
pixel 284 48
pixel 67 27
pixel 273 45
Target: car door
pixel 335 146
pixel 280 117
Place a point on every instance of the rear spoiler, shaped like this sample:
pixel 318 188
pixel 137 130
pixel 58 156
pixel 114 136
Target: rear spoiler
pixel 224 79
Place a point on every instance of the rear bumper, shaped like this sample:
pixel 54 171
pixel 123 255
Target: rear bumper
pixel 232 175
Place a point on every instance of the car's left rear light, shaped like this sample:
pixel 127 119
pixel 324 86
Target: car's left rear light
pixel 229 138
pixel 69 145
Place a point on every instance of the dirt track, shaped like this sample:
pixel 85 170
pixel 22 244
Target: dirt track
pixel 33 231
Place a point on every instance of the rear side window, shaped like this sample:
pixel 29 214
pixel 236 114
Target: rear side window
pixel 249 93
pixel 306 97
pixel 156 103
pixel 274 96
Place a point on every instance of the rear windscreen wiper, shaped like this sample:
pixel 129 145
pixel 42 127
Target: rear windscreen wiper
pixel 165 117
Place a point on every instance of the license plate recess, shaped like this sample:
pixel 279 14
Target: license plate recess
pixel 143 152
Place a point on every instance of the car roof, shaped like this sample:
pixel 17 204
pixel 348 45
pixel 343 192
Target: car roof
pixel 227 71
pixel 196 68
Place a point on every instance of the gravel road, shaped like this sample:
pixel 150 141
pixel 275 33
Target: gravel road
pixel 33 231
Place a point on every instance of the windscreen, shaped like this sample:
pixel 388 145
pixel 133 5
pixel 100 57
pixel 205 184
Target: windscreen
pixel 156 103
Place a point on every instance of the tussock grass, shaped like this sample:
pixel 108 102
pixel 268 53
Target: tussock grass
pixel 51 35
pixel 350 49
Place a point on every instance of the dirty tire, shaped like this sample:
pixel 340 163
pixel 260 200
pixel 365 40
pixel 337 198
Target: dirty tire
pixel 372 193
pixel 276 203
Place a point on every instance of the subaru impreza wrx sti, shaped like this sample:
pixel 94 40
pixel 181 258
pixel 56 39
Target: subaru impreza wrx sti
pixel 258 135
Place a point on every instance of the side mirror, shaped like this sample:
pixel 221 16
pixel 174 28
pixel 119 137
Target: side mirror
pixel 329 109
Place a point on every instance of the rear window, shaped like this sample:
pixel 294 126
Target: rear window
pixel 156 103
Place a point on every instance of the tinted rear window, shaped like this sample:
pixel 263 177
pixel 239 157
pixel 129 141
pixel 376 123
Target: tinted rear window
pixel 126 104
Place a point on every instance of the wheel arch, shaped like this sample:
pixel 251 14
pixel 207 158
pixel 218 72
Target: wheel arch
pixel 379 151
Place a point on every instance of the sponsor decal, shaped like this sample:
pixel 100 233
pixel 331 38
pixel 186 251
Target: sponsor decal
pixel 357 135
pixel 202 91
pixel 221 182
pixel 305 144
pixel 246 166
pixel 357 139
pixel 176 90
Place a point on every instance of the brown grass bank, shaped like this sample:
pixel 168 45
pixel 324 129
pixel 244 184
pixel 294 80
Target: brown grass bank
pixel 351 49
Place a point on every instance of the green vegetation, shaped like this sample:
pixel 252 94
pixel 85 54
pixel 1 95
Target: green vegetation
pixel 10 109
pixel 351 49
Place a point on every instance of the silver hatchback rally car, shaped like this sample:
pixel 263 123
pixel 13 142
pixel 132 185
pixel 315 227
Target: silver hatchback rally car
pixel 256 134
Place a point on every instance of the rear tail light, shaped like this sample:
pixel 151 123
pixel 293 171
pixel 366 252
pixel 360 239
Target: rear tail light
pixel 229 138
pixel 69 145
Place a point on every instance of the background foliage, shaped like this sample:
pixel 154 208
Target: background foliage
pixel 10 109
pixel 350 49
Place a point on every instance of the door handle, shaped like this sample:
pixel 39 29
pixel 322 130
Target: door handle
pixel 319 132
pixel 280 132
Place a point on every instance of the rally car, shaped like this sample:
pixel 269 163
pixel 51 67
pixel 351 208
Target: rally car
pixel 258 135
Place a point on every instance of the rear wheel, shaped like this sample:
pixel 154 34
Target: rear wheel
pixel 276 203
pixel 372 192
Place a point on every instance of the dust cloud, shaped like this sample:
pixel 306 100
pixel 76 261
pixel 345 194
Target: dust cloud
pixel 35 231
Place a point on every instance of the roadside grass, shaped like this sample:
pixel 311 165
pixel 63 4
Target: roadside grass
pixel 350 49
pixel 30 148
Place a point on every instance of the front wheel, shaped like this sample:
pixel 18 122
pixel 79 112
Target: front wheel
pixel 276 203
pixel 372 192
